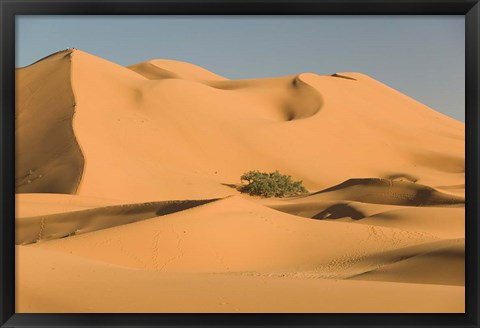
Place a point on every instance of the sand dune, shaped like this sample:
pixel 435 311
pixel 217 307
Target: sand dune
pixel 167 69
pixel 432 220
pixel 183 125
pixel 127 192
pixel 37 204
pixel 54 226
pixel 222 235
pixel 383 191
pixel 422 267
pixel 57 282
pixel 51 158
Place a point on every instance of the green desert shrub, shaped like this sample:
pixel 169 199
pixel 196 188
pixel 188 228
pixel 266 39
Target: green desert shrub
pixel 272 184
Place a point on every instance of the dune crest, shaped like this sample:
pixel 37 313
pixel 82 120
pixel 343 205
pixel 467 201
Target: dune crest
pixel 195 119
pixel 384 191
pixel 220 236
pixel 36 229
pixel 158 69
pixel 129 199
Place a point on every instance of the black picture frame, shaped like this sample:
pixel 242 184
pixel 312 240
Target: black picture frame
pixel 11 8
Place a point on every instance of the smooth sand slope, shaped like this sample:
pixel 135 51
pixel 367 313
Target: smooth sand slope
pixel 194 137
pixel 231 239
pixel 128 201
pixel 84 285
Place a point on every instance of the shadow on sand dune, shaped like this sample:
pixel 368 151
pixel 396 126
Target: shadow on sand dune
pixel 54 226
pixel 384 191
pixel 338 211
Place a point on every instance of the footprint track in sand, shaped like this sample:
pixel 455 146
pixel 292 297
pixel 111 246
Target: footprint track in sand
pixel 41 229
pixel 155 250
pixel 156 239
pixel 130 254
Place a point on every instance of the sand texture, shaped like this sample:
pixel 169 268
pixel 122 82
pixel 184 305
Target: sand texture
pixel 128 198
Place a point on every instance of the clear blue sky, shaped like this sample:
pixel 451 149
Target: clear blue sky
pixel 421 56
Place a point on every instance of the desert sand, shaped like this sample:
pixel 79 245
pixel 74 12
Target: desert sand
pixel 128 198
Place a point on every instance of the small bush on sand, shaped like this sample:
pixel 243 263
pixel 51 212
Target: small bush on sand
pixel 271 184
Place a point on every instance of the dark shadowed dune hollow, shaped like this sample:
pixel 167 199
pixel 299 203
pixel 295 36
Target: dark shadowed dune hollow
pixel 343 76
pixel 383 191
pixel 339 211
pixel 47 227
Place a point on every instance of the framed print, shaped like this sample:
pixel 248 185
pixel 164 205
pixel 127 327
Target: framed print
pixel 250 163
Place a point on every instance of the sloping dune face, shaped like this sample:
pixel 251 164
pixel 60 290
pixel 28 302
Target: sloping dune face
pixel 189 133
pixel 51 159
pixel 163 69
pixel 191 138
pixel 128 201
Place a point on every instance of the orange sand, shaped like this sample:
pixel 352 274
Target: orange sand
pixel 127 200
